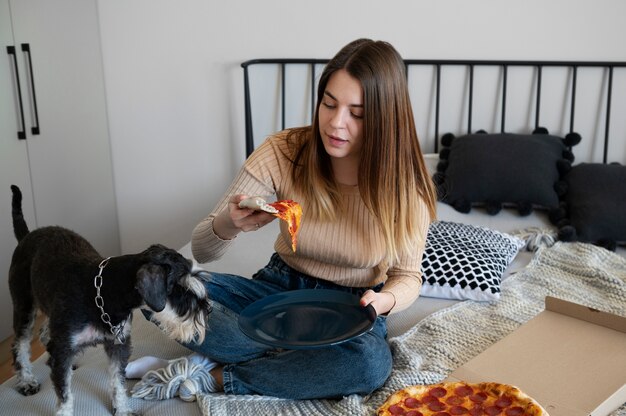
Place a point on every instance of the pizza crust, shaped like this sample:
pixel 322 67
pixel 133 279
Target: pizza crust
pixel 258 204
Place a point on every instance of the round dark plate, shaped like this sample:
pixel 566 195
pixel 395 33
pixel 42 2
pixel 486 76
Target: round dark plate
pixel 307 318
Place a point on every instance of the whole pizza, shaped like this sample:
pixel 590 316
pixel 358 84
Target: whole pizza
pixel 460 398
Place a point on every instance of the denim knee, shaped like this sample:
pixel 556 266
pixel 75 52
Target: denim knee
pixel 224 342
pixel 373 366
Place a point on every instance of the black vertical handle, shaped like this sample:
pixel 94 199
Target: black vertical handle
pixel 21 134
pixel 26 48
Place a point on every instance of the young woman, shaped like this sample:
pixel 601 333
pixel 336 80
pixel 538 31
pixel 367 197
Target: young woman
pixel 367 202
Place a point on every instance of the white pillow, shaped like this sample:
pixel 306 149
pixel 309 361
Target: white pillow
pixel 431 160
pixel 463 261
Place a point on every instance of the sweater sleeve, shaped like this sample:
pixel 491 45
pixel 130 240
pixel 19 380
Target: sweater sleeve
pixel 258 177
pixel 404 280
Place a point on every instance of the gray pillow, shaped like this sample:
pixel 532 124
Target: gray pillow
pixel 495 170
pixel 594 206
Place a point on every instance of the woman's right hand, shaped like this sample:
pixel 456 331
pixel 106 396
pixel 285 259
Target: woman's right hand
pixel 233 219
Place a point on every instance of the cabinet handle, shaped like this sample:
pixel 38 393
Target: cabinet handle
pixel 26 48
pixel 21 134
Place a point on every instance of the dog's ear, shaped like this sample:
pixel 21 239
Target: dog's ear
pixel 152 285
pixel 173 262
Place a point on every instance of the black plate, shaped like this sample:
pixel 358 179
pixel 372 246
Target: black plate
pixel 307 318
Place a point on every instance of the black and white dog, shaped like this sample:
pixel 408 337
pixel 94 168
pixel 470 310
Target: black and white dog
pixel 88 300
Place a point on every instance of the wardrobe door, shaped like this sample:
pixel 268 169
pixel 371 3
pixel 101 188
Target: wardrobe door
pixel 14 168
pixel 67 128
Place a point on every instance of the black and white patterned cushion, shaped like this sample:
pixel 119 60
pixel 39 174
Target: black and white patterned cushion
pixel 463 261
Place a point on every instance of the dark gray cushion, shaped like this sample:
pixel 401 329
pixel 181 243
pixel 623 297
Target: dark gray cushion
pixel 595 203
pixel 502 169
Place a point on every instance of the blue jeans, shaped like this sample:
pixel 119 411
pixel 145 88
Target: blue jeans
pixel 358 366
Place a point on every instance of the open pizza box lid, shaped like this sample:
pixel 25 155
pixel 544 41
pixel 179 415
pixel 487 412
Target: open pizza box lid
pixel 570 358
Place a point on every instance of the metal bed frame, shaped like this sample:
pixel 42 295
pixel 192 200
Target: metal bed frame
pixel 438 65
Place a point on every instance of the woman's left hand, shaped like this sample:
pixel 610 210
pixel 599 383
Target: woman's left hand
pixel 382 302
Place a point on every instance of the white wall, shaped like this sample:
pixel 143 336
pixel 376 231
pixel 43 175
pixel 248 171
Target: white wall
pixel 174 84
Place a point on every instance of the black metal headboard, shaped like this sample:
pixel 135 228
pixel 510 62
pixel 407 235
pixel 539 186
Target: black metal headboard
pixel 571 78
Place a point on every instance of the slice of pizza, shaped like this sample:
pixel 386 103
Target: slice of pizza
pixel 461 398
pixel 290 212
pixel 287 210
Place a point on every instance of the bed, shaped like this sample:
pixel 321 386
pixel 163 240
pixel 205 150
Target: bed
pixel 457 100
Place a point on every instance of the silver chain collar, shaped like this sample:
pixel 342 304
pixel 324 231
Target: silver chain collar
pixel 118 330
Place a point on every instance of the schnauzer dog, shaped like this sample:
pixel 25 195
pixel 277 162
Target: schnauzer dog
pixel 88 300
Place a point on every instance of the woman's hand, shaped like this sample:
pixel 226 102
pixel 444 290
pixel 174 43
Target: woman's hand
pixel 232 220
pixel 382 302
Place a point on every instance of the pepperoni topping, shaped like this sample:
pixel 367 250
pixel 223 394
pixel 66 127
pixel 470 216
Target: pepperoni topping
pixel 412 402
pixel 429 399
pixel 493 410
pixel 514 411
pixel 282 206
pixel 478 397
pixel 436 406
pixel 438 392
pixel 395 409
pixel 458 410
pixel 504 401
pixel 413 413
pixel 455 400
pixel 441 414
pixel 463 391
pixel 477 411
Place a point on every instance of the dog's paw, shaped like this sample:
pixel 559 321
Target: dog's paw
pixel 28 387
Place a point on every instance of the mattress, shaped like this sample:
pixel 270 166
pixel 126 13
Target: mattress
pixel 248 253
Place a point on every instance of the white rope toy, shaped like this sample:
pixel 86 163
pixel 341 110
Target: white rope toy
pixel 182 377
pixel 536 237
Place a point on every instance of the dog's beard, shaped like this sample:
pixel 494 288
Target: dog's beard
pixel 191 326
pixel 185 329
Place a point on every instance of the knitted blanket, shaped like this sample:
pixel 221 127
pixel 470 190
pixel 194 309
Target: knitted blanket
pixel 447 339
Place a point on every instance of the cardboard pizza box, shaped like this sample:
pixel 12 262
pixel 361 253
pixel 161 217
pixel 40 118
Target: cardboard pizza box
pixel 570 358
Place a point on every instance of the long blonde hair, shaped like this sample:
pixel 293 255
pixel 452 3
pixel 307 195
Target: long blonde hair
pixel 392 174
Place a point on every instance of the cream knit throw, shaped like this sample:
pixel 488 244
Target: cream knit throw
pixel 440 343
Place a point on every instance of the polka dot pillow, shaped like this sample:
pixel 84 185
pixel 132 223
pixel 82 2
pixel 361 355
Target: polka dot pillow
pixel 463 261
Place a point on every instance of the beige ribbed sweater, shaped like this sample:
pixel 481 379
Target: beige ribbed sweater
pixel 348 251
